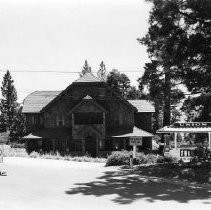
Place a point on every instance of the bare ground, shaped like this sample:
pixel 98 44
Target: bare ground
pixel 54 184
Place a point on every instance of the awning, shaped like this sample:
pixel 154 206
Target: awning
pixel 169 129
pixel 31 136
pixel 137 132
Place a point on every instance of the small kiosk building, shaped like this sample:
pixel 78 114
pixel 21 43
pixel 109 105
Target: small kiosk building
pixel 179 151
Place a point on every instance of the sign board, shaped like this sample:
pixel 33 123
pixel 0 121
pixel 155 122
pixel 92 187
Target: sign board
pixel 136 141
pixel 192 125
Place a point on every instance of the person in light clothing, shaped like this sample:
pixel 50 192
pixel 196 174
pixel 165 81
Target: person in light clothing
pixel 2 171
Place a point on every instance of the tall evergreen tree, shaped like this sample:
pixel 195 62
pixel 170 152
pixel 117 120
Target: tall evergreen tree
pixel 102 71
pixel 154 81
pixel 18 129
pixel 8 102
pixel 162 42
pixel 179 41
pixel 86 68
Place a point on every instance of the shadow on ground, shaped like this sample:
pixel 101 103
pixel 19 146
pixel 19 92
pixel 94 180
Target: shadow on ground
pixel 198 175
pixel 128 188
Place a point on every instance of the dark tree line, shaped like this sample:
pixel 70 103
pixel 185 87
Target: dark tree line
pixel 11 117
pixel 179 44
pixel 120 83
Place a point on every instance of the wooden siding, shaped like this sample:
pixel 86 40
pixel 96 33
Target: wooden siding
pixel 118 113
pixel 144 121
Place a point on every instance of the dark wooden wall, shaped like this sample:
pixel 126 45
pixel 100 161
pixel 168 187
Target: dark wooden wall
pixel 143 121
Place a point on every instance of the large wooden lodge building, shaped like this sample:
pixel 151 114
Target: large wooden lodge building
pixel 86 117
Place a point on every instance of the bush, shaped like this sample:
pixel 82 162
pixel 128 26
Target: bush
pixel 17 145
pixel 169 159
pixel 119 158
pixel 34 154
pixel 202 153
pixel 15 152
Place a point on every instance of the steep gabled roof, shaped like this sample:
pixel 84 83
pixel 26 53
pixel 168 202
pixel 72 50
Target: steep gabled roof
pixel 88 77
pixel 142 105
pixel 40 100
pixel 37 100
pixel 87 98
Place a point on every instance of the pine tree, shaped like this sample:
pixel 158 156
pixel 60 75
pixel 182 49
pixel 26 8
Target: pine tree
pixel 18 129
pixel 164 42
pixel 86 68
pixel 178 40
pixel 8 102
pixel 102 71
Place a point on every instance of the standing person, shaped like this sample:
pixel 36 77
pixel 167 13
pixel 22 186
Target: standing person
pixel 2 171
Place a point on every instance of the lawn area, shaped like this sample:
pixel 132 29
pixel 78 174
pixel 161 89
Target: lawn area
pixel 21 152
pixel 198 174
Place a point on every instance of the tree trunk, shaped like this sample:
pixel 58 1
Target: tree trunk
pixel 156 116
pixel 167 99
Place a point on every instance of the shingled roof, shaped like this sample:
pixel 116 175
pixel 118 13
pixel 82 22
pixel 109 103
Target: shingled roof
pixel 142 105
pixel 88 77
pixel 37 100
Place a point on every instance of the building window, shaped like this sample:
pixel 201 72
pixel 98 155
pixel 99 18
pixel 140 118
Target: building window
pixel 59 120
pixel 101 92
pixel 101 145
pixel 88 118
pixel 39 143
pixel 120 119
pixel 33 120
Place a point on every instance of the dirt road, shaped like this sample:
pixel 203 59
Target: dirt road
pixel 37 184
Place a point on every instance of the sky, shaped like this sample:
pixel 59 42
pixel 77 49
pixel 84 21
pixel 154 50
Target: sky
pixel 59 35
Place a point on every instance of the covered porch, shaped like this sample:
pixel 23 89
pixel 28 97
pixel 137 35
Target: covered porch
pixel 48 140
pixel 144 137
pixel 186 135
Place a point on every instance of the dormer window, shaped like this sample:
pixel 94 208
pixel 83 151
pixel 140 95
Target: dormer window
pixel 101 92
pixel 59 120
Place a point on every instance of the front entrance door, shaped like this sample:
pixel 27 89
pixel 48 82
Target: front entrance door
pixel 90 145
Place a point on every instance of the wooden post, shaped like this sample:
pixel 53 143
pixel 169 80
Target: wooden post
pixel 97 146
pixel 134 151
pixel 175 140
pixel 131 161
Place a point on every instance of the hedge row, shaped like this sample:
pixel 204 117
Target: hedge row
pixel 119 158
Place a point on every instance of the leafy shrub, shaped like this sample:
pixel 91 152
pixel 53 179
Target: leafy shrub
pixel 15 152
pixel 202 153
pixel 169 159
pixel 58 156
pixel 34 154
pixel 119 158
pixel 17 145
